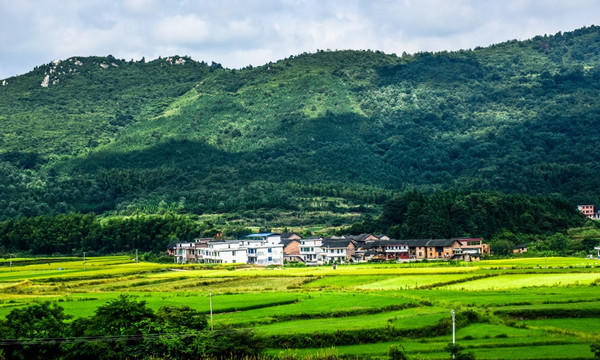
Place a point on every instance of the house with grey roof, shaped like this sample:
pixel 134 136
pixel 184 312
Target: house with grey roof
pixel 337 251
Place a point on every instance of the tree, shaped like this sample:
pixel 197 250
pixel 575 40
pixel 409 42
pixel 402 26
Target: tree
pixel 227 344
pixel 588 243
pixel 457 353
pixel 38 321
pixel 558 242
pixel 596 350
pixel 396 352
pixel 502 247
pixel 123 319
pixel 178 326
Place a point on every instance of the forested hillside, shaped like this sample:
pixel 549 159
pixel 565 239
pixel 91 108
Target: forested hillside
pixel 305 138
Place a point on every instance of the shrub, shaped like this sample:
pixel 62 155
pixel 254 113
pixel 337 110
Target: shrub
pixel 396 352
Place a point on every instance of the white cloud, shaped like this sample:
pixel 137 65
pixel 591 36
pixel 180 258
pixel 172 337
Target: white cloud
pixel 138 7
pixel 237 32
pixel 182 29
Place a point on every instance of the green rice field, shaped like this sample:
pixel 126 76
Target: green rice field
pixel 532 308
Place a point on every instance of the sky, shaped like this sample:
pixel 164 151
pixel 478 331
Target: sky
pixel 237 33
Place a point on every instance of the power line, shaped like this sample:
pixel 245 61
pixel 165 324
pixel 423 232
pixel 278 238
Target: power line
pixel 113 338
pixel 103 338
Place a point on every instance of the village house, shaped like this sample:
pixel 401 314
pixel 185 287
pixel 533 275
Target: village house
pixel 433 248
pixel 588 211
pixel 393 249
pixel 291 250
pixel 290 236
pixel 442 248
pixel 387 250
pixel 264 249
pixel 417 248
pixel 187 252
pixel 337 251
pixel 225 252
pixel 519 249
pixel 474 246
pixel 311 251
pixel 183 252
pixel 361 239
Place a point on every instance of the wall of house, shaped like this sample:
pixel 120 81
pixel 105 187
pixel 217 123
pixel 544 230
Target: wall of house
pixel 419 252
pixel 350 251
pixel 446 253
pixel 293 248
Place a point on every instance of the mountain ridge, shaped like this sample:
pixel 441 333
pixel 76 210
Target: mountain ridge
pixel 121 136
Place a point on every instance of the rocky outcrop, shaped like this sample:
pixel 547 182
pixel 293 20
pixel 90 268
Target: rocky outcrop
pixel 46 81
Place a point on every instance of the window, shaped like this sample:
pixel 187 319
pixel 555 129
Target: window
pixel 270 250
pixel 270 258
pixel 233 253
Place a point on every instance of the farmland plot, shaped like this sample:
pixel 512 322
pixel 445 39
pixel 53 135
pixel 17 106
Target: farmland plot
pixel 517 308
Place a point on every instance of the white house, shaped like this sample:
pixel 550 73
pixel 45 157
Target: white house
pixel 597 248
pixel 337 251
pixel 311 251
pixel 263 253
pixel 225 252
pixel 271 238
pixel 264 249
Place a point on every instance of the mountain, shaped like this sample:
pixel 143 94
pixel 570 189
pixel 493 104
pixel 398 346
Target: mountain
pixel 314 138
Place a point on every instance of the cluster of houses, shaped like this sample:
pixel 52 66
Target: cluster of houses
pixel 265 249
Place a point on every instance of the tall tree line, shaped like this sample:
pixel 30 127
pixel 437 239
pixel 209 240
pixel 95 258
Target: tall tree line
pixel 75 232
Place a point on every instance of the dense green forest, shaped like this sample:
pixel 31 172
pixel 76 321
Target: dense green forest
pixel 503 220
pixel 320 138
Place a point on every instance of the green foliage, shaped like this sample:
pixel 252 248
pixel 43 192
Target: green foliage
pixel 595 350
pixel 457 352
pixel 313 136
pixel 227 344
pixel 39 321
pixel 74 233
pixel 396 352
pixel 490 215
pixel 121 329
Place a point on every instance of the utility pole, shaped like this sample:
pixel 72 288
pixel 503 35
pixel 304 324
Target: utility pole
pixel 211 317
pixel 453 327
pixel 10 255
pixel 84 260
pixel 136 257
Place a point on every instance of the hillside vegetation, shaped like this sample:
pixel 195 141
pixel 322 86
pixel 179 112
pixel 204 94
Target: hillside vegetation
pixel 305 139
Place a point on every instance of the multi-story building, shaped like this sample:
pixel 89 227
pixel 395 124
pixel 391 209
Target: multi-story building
pixel 588 210
pixel 183 252
pixel 264 249
pixel 474 246
pixel 225 252
pixel 311 251
pixel 187 251
pixel 337 251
